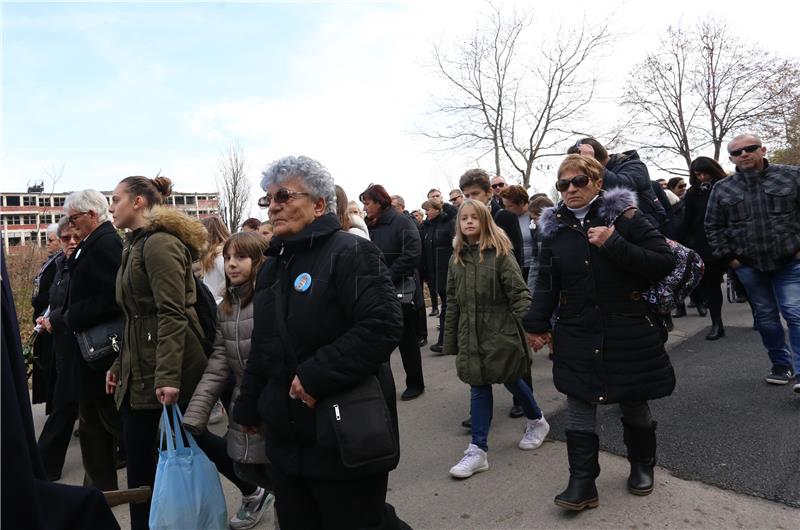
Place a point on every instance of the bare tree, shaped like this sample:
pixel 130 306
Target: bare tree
pixel 509 105
pixel 702 86
pixel 233 186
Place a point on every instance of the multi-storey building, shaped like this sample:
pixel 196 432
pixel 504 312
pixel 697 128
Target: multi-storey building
pixel 24 216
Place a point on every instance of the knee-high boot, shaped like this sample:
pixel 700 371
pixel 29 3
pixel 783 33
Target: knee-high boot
pixel 582 450
pixel 641 444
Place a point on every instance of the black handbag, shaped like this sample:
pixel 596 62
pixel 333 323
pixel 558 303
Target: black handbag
pixel 406 288
pixel 101 341
pixel 357 421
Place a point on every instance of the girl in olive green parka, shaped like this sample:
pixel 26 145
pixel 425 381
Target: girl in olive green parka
pixel 162 357
pixel 486 297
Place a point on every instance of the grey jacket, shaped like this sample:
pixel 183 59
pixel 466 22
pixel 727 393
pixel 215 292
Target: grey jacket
pixel 231 350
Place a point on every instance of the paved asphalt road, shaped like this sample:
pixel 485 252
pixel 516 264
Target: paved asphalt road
pixel 727 442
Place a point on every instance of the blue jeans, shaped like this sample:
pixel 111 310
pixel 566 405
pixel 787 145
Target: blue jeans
pixel 773 294
pixel 481 405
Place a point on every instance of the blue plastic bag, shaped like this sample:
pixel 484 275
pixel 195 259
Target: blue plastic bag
pixel 187 493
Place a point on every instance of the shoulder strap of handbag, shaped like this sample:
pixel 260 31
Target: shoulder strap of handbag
pixel 198 333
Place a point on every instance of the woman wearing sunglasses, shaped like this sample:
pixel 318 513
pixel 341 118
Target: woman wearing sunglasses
pixel 599 254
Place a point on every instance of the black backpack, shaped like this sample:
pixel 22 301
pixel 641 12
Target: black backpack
pixel 206 308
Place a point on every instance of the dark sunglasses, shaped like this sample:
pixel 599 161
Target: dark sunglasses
pixel 67 239
pixel 499 185
pixel 748 149
pixel 281 196
pixel 579 181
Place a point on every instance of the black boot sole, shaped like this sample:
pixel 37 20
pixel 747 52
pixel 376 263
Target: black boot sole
pixel 577 507
pixel 640 493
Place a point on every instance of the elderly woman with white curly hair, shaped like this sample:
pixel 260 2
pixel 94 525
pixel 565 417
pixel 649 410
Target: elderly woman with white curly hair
pixel 326 320
pixel 92 301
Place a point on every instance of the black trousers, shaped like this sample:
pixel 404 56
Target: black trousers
pixel 55 437
pixel 432 292
pixel 141 439
pixel 409 349
pixel 314 503
pixel 442 311
pixel 99 429
pixel 711 288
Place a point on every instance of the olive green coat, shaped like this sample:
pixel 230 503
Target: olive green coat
pixel 485 302
pixel 156 291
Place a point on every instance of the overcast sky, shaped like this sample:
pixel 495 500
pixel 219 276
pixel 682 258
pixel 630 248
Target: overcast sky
pixel 116 89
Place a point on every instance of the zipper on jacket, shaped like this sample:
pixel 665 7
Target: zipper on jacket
pixel 236 334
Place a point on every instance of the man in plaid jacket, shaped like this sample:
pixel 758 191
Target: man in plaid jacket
pixel 753 222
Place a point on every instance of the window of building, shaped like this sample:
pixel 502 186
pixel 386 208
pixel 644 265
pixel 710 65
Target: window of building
pixel 29 219
pixel 57 217
pixel 43 238
pixel 180 199
pixel 44 201
pixel 58 201
pixel 29 200
pixel 12 200
pixel 191 200
pixel 11 220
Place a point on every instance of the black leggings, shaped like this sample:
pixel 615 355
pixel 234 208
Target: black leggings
pixel 141 438
pixel 711 288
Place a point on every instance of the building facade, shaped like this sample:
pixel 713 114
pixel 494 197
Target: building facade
pixel 24 216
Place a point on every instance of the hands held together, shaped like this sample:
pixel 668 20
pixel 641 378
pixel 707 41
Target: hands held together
pixel 537 341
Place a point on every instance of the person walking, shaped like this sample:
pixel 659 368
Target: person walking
pixel 243 253
pixel 704 174
pixel 753 225
pixel 599 254
pixel 91 302
pixel 398 239
pixel 162 356
pixel 57 430
pixel 437 247
pixel 325 318
pixel 487 297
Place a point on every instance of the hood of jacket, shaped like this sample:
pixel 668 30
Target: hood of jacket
pixel 612 204
pixel 617 159
pixel 318 230
pixel 189 230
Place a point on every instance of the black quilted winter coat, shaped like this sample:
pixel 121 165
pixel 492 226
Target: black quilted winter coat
pixel 607 346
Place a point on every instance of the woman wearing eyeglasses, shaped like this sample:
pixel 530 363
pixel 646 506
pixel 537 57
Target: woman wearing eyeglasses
pixel 325 319
pixel 599 254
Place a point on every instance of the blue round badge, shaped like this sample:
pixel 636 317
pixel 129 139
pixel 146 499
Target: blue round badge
pixel 302 282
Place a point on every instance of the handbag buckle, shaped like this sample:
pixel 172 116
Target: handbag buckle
pixel 114 343
pixel 337 413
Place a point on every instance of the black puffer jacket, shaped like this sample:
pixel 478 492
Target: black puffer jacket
pixel 607 347
pixel 342 329
pixel 626 170
pixel 693 230
pixel 437 247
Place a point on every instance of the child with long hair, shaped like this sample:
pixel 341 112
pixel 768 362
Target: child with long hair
pixel 211 262
pixel 487 297
pixel 243 255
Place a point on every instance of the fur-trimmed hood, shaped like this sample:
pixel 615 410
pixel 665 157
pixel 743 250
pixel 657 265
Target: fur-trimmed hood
pixel 612 204
pixel 188 229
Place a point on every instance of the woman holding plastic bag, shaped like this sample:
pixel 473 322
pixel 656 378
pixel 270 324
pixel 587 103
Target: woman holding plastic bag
pixel 162 357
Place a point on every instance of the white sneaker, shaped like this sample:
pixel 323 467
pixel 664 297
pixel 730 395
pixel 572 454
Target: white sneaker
pixel 796 387
pixel 535 433
pixel 474 461
pixel 252 509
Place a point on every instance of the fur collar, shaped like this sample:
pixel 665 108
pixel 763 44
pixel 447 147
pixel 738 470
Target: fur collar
pixel 612 203
pixel 188 229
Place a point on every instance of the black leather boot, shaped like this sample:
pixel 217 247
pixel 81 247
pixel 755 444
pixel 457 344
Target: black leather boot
pixel 717 329
pixel 680 311
pixel 641 444
pixel 582 451
pixel 702 309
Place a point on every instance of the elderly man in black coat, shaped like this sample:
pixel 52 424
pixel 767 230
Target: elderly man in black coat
pixel 92 301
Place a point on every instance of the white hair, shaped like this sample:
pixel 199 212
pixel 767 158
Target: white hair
pixel 52 229
pixel 315 177
pixel 88 201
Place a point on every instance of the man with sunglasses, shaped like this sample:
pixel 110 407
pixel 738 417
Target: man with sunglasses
pixel 753 223
pixel 498 185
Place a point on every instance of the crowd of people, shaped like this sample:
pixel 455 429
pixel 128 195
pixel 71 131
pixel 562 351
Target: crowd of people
pixel 308 305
